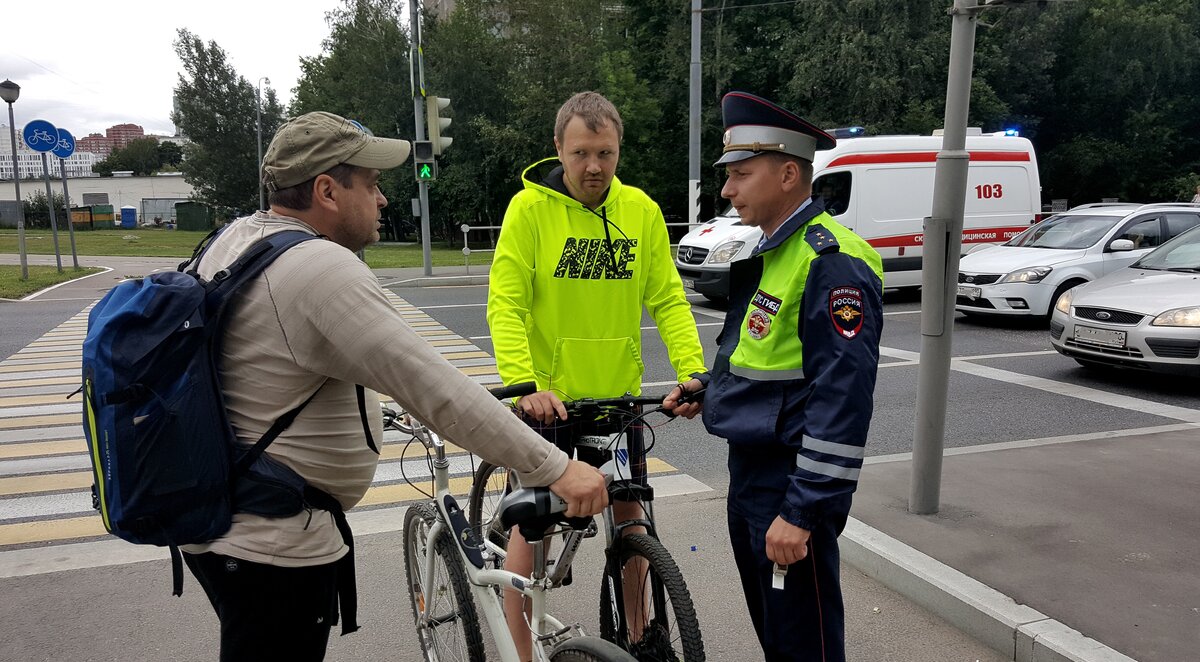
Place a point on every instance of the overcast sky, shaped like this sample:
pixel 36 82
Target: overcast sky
pixel 87 65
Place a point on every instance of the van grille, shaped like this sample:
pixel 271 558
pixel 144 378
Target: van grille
pixel 691 254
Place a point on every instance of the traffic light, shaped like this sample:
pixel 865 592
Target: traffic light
pixel 436 124
pixel 424 163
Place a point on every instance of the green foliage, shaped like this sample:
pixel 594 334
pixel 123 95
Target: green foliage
pixel 362 74
pixel 216 110
pixel 1106 89
pixel 37 215
pixel 141 155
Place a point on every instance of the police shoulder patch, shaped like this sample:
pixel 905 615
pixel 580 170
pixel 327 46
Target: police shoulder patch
pixel 846 310
pixel 821 239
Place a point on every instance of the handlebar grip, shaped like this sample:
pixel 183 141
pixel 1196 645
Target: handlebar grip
pixel 514 391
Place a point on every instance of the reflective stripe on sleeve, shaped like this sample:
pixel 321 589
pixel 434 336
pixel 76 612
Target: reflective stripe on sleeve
pixel 766 375
pixel 833 448
pixel 825 468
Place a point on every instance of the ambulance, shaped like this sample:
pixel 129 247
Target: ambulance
pixel 881 187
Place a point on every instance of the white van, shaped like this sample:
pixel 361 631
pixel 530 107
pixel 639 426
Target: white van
pixel 881 187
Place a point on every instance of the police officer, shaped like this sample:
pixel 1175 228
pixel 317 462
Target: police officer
pixel 791 388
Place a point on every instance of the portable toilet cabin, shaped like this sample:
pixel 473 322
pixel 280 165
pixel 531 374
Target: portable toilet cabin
pixel 129 216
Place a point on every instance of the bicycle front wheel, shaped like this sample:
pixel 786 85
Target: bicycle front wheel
pixel 589 649
pixel 488 487
pixel 451 630
pixel 662 625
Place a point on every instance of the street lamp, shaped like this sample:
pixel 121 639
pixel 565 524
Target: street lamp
pixel 9 91
pixel 262 194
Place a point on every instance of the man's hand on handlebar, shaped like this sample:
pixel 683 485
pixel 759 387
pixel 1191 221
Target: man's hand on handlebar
pixel 543 406
pixel 583 487
pixel 689 410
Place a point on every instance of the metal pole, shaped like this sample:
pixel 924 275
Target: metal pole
pixel 12 131
pixel 50 206
pixel 262 194
pixel 416 61
pixel 62 163
pixel 939 270
pixel 694 120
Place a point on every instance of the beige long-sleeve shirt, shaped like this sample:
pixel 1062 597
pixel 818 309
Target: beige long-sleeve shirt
pixel 317 315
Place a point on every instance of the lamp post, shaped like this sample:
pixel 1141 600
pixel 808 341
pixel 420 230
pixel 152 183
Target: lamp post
pixel 262 195
pixel 9 91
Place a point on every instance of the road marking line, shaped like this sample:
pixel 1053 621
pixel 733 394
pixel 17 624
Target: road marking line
pixel 26 400
pixel 42 448
pixel 1042 441
pixel 39 421
pixel 4 368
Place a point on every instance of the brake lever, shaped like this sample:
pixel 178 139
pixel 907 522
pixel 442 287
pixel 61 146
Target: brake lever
pixel 685 398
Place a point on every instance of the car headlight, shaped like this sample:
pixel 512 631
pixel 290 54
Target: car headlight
pixel 1179 317
pixel 1063 305
pixel 725 252
pixel 1030 275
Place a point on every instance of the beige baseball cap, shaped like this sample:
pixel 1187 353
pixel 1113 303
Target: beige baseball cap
pixel 311 144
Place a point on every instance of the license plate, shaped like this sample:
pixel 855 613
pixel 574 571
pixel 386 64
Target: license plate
pixel 969 292
pixel 689 283
pixel 1105 337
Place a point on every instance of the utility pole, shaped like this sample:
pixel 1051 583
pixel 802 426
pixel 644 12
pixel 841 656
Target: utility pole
pixel 939 268
pixel 694 120
pixel 416 73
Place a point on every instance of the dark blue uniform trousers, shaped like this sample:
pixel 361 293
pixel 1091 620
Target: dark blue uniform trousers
pixel 805 621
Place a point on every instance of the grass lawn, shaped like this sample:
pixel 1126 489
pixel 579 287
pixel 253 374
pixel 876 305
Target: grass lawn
pixel 157 242
pixel 12 287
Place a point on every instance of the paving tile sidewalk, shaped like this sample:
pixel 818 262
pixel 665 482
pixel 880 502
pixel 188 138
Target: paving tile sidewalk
pixel 1100 535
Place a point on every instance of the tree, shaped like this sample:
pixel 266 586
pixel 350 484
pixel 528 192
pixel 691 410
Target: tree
pixel 216 110
pixel 37 215
pixel 140 156
pixel 170 154
pixel 362 74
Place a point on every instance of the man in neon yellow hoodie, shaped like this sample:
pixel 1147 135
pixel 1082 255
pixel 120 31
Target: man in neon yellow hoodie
pixel 578 257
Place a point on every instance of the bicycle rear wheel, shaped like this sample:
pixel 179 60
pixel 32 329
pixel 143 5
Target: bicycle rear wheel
pixel 489 486
pixel 670 630
pixel 451 632
pixel 589 649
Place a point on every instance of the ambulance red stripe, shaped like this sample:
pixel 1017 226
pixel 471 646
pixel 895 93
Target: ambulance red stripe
pixel 920 157
pixel 972 236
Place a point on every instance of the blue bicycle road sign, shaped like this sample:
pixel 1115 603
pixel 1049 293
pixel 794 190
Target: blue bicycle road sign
pixel 40 136
pixel 66 145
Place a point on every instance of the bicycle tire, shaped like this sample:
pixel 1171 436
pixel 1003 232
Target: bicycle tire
pixel 488 486
pixel 589 649
pixel 673 631
pixel 455 635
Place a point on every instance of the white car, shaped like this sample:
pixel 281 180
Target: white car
pixel 1027 274
pixel 1145 316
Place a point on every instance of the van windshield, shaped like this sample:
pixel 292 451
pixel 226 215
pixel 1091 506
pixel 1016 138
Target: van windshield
pixel 1065 232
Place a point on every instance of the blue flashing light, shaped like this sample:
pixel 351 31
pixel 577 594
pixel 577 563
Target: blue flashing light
pixel 848 132
pixel 1012 132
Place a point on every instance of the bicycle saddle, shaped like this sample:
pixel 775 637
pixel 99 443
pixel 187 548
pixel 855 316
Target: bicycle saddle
pixel 535 509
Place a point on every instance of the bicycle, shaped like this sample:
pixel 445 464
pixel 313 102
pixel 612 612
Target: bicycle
pixel 671 631
pixel 445 569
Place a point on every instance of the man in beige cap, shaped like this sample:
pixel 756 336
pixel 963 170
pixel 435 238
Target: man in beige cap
pixel 315 327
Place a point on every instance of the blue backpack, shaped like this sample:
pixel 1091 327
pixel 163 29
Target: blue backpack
pixel 166 464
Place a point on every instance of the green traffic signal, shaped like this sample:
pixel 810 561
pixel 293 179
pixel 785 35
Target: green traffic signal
pixel 425 172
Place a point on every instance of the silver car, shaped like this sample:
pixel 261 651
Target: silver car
pixel 1144 316
pixel 1026 275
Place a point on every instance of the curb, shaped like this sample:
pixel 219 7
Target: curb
pixel 1015 630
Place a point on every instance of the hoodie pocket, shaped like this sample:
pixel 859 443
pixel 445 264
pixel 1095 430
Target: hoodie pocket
pixel 595 368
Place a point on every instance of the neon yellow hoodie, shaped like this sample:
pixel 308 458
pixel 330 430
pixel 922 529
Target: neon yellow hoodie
pixel 565 305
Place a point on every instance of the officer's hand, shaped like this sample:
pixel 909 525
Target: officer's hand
pixel 583 487
pixel 543 407
pixel 786 542
pixel 689 410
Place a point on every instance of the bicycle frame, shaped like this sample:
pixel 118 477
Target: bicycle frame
pixel 547 630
